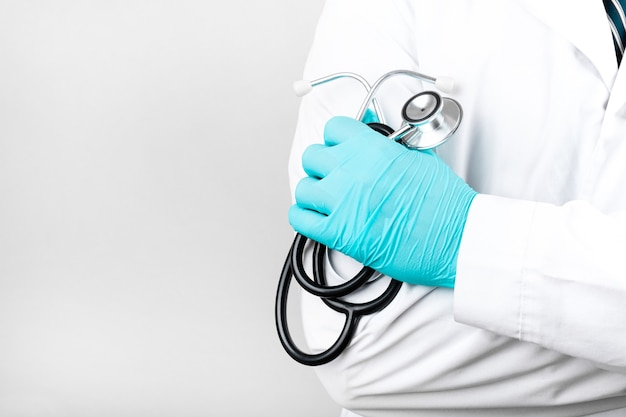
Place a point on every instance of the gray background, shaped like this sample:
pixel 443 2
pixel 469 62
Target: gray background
pixel 143 201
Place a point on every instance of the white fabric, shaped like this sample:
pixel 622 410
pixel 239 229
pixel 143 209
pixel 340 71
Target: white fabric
pixel 536 324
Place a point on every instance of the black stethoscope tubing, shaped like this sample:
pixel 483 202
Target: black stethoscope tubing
pixel 352 311
pixel 318 286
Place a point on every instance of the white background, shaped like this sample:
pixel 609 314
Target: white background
pixel 143 202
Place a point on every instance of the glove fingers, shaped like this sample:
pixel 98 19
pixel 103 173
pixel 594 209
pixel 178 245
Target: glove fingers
pixel 307 222
pixel 310 195
pixel 318 161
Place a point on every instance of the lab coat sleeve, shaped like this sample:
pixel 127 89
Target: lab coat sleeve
pixel 546 274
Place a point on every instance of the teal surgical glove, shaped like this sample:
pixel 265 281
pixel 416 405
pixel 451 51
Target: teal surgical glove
pixel 396 210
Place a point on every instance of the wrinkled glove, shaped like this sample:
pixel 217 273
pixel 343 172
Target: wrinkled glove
pixel 396 210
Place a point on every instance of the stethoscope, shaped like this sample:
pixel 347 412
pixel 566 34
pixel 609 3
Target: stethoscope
pixel 428 121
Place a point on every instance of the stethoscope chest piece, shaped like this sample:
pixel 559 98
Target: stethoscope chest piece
pixel 434 119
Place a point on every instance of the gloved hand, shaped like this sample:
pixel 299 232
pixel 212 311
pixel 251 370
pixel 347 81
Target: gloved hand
pixel 396 210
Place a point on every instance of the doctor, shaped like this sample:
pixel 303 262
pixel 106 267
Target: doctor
pixel 512 239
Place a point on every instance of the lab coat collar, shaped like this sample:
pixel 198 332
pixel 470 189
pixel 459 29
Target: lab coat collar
pixel 584 23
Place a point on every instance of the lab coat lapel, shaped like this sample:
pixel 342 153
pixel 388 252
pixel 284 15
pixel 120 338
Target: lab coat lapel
pixel 584 23
pixel 617 100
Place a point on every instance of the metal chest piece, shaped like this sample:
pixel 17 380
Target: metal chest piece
pixel 433 120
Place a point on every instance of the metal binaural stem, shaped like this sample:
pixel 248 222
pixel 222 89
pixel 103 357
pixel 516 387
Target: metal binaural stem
pixel 364 83
pixel 374 88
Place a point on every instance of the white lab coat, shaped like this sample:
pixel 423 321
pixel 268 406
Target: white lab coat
pixel 536 324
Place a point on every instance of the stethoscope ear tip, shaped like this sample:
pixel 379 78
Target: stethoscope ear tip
pixel 445 84
pixel 302 87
